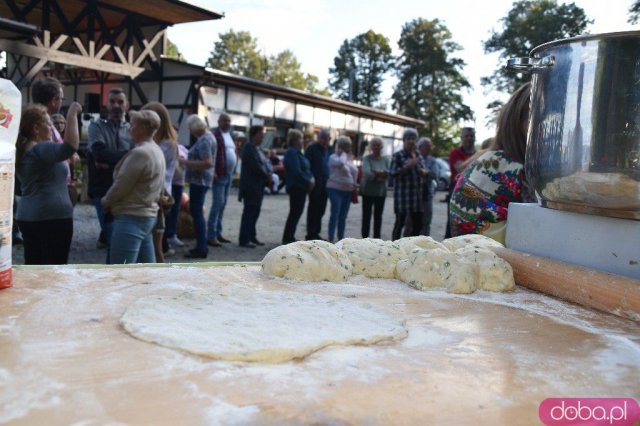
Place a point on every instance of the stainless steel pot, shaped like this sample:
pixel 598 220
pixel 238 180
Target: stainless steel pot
pixel 584 131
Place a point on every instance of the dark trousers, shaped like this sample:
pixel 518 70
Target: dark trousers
pixel 401 219
pixel 250 214
pixel 315 211
pixel 427 215
pixel 297 199
pixel 447 232
pixel 47 242
pixel 197 194
pixel 369 204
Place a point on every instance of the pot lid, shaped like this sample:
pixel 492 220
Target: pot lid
pixel 585 38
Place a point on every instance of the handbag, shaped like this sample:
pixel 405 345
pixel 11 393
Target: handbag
pixel 354 196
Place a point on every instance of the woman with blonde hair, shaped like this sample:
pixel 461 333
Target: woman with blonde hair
pixel 480 200
pixel 132 200
pixel 166 138
pixel 45 212
pixel 343 177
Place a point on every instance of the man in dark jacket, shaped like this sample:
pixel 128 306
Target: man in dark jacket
pixel 318 155
pixel 253 178
pixel 109 141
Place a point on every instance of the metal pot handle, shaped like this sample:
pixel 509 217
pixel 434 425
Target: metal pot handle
pixel 531 64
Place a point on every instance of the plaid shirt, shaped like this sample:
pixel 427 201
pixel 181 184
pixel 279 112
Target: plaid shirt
pixel 407 187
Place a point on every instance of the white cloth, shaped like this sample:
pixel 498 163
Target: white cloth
pixel 230 152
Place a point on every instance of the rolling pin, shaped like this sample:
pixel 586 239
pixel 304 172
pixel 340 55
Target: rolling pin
pixel 603 291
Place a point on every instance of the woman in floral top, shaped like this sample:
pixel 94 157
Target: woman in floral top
pixel 494 178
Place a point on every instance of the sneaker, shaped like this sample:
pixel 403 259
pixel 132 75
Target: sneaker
pixel 175 241
pixel 169 253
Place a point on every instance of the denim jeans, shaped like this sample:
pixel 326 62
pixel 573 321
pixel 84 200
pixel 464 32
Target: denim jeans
pixel 131 240
pixel 340 203
pixel 197 194
pixel 172 218
pixel 219 195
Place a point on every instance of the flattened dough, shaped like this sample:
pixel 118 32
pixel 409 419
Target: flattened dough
pixel 372 257
pixel 308 261
pixel 254 325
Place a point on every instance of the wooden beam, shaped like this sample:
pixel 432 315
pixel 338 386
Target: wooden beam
pixel 69 58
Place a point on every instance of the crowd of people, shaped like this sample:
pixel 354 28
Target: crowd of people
pixel 138 171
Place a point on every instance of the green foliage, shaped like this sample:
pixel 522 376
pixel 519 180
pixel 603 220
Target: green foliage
pixel 172 51
pixel 238 53
pixel 284 69
pixel 430 81
pixel 634 12
pixel 359 68
pixel 528 24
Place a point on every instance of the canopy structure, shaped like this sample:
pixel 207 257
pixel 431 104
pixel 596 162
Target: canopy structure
pixel 105 37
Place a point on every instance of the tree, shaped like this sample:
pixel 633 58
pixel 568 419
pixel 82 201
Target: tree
pixel 430 80
pixel 284 69
pixel 634 12
pixel 528 24
pixel 237 53
pixel 359 68
pixel 173 52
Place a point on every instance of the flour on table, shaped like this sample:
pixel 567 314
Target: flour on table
pixel 494 273
pixel 308 261
pixel 256 325
pixel 438 268
pixel 372 257
pixel 476 240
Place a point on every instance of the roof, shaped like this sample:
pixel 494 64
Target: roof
pixel 148 12
pixel 223 77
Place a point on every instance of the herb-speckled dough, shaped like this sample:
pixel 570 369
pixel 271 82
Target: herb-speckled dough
pixel 308 261
pixel 372 257
pixel 494 273
pixel 407 244
pixel 475 240
pixel 438 268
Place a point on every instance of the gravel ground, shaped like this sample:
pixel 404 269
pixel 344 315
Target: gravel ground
pixel 270 226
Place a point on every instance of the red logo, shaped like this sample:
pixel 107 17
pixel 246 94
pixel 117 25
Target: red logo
pixel 5 117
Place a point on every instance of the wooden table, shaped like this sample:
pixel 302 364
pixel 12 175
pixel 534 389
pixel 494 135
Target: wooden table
pixel 480 359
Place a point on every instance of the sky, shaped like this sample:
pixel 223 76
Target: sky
pixel 315 29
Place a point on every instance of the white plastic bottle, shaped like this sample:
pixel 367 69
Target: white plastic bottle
pixel 10 112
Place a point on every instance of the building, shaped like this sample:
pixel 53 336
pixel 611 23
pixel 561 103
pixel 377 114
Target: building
pixel 94 46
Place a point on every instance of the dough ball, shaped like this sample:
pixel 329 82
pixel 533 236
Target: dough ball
pixel 494 273
pixel 409 243
pixel 475 240
pixel 308 261
pixel 438 268
pixel 372 257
